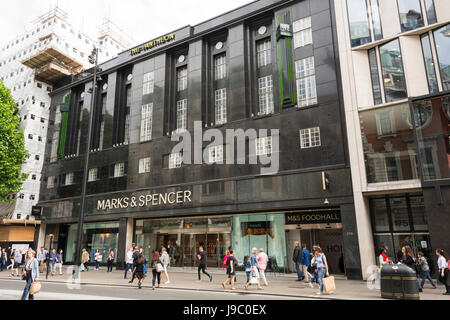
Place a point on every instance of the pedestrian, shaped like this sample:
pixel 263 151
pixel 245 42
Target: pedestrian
pixel 231 270
pixel 262 259
pixel 425 270
pixel 157 268
pixel 98 258
pixel 305 260
pixel 52 262
pixel 17 261
pixel 129 262
pixel 3 259
pixel 443 261
pixel 202 264
pixel 313 268
pixel 11 260
pixel 136 253
pixel 166 263
pixel 110 260
pixel 225 259
pixel 409 260
pixel 297 260
pixel 383 258
pixel 255 274
pixel 85 259
pixel 41 259
pixel 248 268
pixel 138 270
pixel 30 274
pixel 322 267
pixel 59 261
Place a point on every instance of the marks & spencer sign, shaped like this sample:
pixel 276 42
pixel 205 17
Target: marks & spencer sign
pixel 314 217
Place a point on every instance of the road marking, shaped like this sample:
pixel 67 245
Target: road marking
pixel 55 296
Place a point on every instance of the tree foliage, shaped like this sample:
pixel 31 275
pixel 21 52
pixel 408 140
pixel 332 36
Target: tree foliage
pixel 12 146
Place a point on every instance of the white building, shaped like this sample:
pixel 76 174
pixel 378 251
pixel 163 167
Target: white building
pixel 29 65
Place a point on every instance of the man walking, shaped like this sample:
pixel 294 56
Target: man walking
pixel 17 261
pixel 52 262
pixel 297 259
pixel 40 256
pixel 305 262
pixel 128 262
pixel 202 264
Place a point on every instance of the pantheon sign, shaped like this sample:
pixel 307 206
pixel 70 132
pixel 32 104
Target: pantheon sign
pixel 145 200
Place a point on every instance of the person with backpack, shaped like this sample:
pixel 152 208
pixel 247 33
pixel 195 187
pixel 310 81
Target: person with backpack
pixel 443 266
pixel 425 269
pixel 202 264
pixel 110 260
pixel 409 260
pixel 231 271
pixel 139 266
pixel 157 268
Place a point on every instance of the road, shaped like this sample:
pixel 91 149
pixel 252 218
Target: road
pixel 12 290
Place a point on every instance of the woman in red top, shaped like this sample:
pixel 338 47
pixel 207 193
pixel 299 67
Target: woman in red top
pixel 383 258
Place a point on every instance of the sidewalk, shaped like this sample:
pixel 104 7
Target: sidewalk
pixel 279 285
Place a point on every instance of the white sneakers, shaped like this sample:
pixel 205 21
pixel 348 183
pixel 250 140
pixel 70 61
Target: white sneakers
pixel 167 282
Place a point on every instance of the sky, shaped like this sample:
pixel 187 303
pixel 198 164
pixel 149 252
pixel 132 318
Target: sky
pixel 143 20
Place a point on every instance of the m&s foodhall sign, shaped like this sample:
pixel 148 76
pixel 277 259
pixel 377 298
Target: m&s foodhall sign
pixel 152 44
pixel 314 217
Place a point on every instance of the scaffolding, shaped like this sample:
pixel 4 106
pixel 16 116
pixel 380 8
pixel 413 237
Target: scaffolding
pixel 57 12
pixel 109 29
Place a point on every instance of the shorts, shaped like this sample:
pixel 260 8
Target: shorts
pixel 165 268
pixel 16 265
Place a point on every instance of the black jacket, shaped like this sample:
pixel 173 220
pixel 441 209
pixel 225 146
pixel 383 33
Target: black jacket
pixel 297 257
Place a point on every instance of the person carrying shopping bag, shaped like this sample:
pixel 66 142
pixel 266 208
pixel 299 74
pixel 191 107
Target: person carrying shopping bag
pixel 31 276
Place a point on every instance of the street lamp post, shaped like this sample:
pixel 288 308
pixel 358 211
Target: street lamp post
pixel 48 254
pixel 93 59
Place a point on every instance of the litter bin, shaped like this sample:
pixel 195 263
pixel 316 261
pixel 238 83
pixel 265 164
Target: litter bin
pixel 398 281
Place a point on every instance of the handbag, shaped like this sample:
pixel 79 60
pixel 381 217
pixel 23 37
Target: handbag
pixel 35 287
pixel 159 267
pixel 328 284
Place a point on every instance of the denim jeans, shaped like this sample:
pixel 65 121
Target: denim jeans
pixel 248 273
pixel 97 264
pixel 426 275
pixel 298 267
pixel 320 275
pixel 128 266
pixel 27 290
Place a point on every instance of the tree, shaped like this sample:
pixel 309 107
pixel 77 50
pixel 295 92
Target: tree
pixel 12 146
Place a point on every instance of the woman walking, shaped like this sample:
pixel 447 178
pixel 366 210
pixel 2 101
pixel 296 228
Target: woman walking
pixel 59 261
pixel 322 267
pixel 166 263
pixel 84 259
pixel 11 260
pixel 443 269
pixel 3 259
pixel 262 259
pixel 98 258
pixel 157 268
pixel 139 269
pixel 231 270
pixel 409 260
pixel 255 272
pixel 110 260
pixel 30 274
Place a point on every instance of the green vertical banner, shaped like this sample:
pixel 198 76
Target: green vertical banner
pixel 285 59
pixel 64 108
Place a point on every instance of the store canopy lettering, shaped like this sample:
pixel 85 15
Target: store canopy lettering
pixel 152 44
pixel 148 200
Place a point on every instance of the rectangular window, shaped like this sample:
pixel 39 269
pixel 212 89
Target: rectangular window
pixel 221 106
pixel 69 179
pixel 442 40
pixel 302 32
pixel 385 122
pixel 263 146
pixel 265 88
pixel 376 21
pixel 146 122
pixel 175 160
pixel 429 64
pixel 51 182
pixel 264 52
pixel 102 124
pixel 181 78
pixel 144 165
pixel 182 115
pixel 220 66
pixel 148 83
pixel 92 174
pixel 215 154
pixel 359 22
pixel 306 82
pixel 119 169
pixel 376 88
pixel 393 74
pixel 310 138
pixel 410 14
pixel 431 12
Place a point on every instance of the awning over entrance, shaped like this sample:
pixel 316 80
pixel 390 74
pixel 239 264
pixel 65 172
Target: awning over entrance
pixel 51 64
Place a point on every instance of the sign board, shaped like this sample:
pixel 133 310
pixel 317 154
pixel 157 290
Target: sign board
pixel 314 217
pixel 284 31
pixel 36 211
pixel 152 44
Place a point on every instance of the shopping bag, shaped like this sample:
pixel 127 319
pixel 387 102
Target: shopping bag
pixel 35 287
pixel 329 284
pixel 82 267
